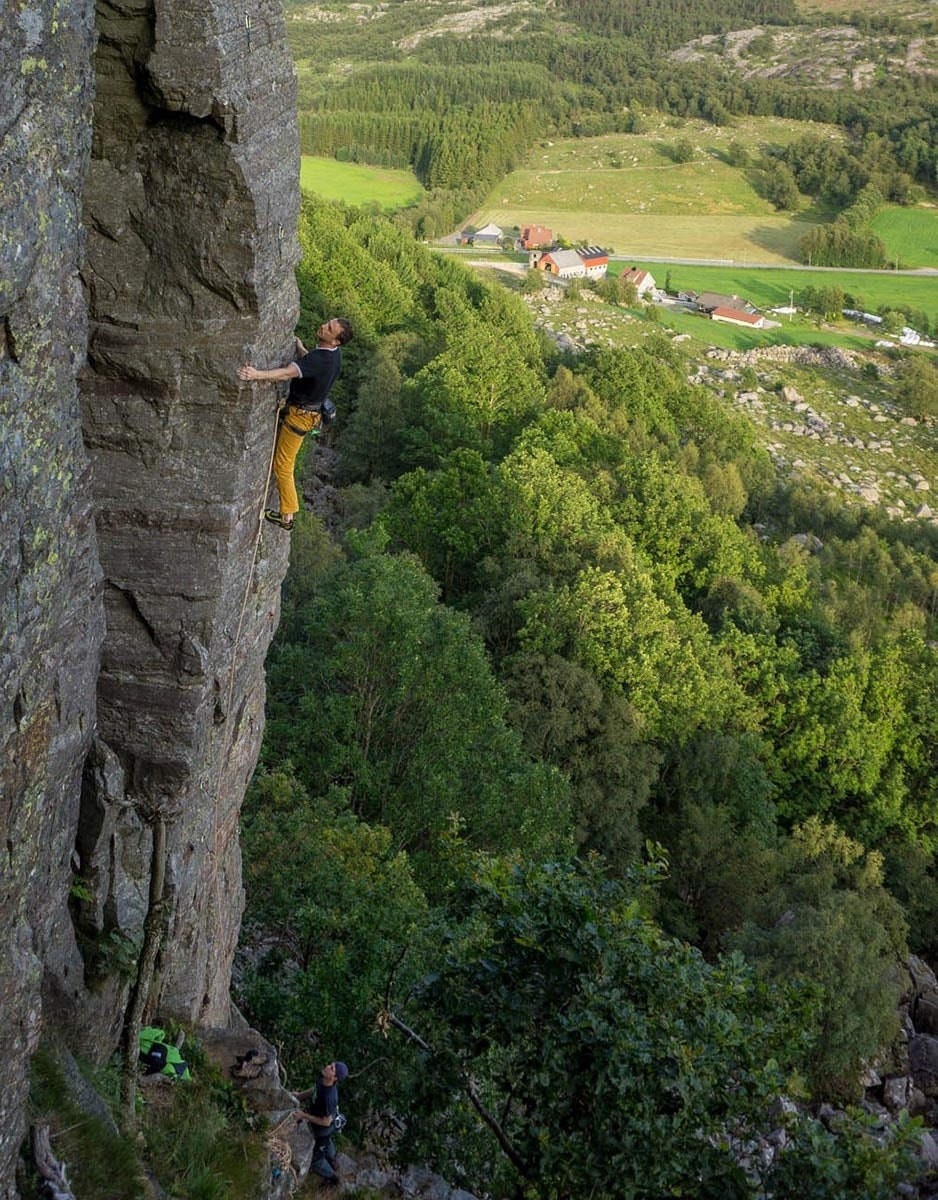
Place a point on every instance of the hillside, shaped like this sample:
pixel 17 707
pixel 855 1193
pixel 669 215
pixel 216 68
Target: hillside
pixel 607 665
pixel 826 56
pixel 607 605
pixel 597 738
pixel 474 100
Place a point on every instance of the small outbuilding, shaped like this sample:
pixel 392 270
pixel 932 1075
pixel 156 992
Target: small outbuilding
pixel 488 235
pixel 733 316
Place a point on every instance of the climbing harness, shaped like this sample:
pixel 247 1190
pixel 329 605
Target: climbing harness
pixel 325 409
pixel 299 432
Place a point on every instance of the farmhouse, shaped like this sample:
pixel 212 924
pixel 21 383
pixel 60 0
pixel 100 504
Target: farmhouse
pixel 733 316
pixel 534 237
pixel 708 301
pixel 644 280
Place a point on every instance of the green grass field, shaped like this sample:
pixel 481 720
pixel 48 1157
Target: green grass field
pixel 615 325
pixel 876 7
pixel 731 337
pixel 910 235
pixel 724 239
pixel 357 183
pixel 768 289
pixel 625 192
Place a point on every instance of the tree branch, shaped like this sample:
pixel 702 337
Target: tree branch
pixel 469 1087
pixel 152 939
pixel 406 1029
pixel 508 1149
pixel 55 1183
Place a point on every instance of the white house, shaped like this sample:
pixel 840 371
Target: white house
pixel 644 280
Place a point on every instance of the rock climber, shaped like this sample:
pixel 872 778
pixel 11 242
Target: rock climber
pixel 323 1116
pixel 311 376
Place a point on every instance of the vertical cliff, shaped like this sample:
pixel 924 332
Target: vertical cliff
pixel 50 585
pixel 139 593
pixel 190 204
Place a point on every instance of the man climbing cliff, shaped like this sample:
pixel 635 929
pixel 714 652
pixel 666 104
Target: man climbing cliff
pixel 311 376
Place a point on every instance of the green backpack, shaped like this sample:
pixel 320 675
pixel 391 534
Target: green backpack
pixel 159 1055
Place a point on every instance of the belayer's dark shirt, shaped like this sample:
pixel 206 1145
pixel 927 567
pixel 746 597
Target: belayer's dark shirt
pixel 326 1104
pixel 319 369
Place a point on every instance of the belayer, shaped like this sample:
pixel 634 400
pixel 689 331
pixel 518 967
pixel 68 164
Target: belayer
pixel 324 1117
pixel 311 376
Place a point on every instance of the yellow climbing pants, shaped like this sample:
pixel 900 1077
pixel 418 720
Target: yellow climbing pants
pixel 296 423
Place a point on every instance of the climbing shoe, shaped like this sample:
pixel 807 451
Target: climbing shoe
pixel 277 518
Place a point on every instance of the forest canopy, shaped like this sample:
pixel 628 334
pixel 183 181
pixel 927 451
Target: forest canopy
pixel 579 759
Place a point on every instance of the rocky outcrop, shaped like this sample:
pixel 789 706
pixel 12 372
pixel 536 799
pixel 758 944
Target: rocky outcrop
pixel 829 357
pixel 191 205
pixel 51 619
pixel 190 199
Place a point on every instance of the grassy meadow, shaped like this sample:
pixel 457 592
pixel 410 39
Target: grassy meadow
pixel 357 183
pixel 626 193
pixel 910 235
pixel 770 289
pixel 726 240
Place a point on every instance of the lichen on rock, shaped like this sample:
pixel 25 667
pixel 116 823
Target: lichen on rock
pixel 148 202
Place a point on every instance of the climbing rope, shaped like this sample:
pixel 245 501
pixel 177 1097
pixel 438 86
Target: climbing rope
pixel 279 1149
pixel 216 831
pixel 247 590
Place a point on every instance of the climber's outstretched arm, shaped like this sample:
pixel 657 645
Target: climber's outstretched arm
pixel 274 375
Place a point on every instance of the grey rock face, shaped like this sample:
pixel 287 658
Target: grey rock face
pixel 191 208
pixel 182 269
pixel 51 620
pixel 923 1057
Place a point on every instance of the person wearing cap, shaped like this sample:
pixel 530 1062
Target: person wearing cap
pixel 321 1116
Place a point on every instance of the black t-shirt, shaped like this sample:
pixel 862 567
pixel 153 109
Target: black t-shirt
pixel 319 369
pixel 326 1104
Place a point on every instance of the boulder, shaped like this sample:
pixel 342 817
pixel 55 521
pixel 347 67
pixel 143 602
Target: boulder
pixel 923 1058
pixel 897 1092
pixel 928 1151
pixel 925 1013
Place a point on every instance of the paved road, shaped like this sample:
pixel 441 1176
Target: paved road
pixel 708 262
pixel 734 262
